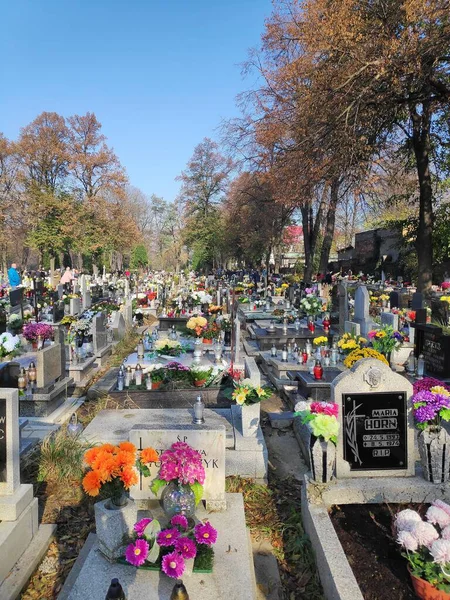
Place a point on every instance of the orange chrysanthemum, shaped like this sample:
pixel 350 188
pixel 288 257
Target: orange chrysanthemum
pixel 129 477
pixel 108 469
pixel 101 458
pixel 92 483
pixel 124 459
pixel 109 448
pixel 149 455
pixel 91 455
pixel 127 446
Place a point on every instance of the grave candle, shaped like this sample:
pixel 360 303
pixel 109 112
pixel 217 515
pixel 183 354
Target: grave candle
pixel 138 374
pixel 273 350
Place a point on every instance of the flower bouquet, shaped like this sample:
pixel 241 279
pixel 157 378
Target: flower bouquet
pixel 181 470
pixel 32 331
pixel 385 340
pixel 15 322
pixel 112 470
pixel 9 345
pixel 197 324
pixel 171 549
pixel 168 347
pixel 247 394
pixel 350 342
pixel 319 433
pixel 320 341
pixel 426 546
pixel 311 304
pixel 210 331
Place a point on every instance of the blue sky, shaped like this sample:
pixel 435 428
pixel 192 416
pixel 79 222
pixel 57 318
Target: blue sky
pixel 159 74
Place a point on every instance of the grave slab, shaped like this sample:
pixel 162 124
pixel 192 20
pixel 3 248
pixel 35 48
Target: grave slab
pixel 92 573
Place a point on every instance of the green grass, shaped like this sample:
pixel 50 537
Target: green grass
pixel 61 457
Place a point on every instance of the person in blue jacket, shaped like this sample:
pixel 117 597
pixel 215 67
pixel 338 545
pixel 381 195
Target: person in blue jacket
pixel 14 276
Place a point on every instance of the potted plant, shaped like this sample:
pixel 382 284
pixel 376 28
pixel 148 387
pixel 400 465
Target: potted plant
pixel 210 331
pixel 157 376
pixel 426 547
pixel 431 406
pixel 361 353
pixel 385 340
pixel 321 427
pixel 9 345
pixel 197 325
pixel 32 331
pixel 168 347
pixel 182 476
pixel 15 323
pixel 199 375
pixel 248 396
pixel 225 325
pixel 174 549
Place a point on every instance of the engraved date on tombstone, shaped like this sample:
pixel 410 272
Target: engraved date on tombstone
pixel 375 431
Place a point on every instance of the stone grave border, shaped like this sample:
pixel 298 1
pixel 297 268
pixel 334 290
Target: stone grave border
pixel 335 572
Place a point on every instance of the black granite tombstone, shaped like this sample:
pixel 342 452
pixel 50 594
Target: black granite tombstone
pixel 375 431
pixel 417 301
pixel 394 300
pixel 3 440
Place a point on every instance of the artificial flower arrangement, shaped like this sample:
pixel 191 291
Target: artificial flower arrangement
pixel 350 342
pixel 9 345
pixel 112 468
pixel 214 309
pixel 211 330
pixel 68 320
pixel 247 394
pixel 197 324
pixel 244 300
pixel 199 374
pixel 361 353
pixel 180 463
pixel 320 341
pixel 225 323
pixel 383 297
pixel 445 285
pixel 168 347
pixel 66 297
pixel 426 543
pixel 311 304
pixel 431 403
pixel 385 340
pixel 32 331
pixel 15 322
pixel 320 418
pixel 290 319
pixel 168 549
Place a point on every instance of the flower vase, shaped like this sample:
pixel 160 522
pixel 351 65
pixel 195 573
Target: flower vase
pixel 322 456
pixel 227 338
pixel 118 500
pixel 178 499
pixel 250 417
pixel 114 525
pixel 434 450
pixel 425 591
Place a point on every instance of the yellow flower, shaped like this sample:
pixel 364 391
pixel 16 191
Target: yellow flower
pixel 240 398
pixel 284 285
pixel 363 353
pixel 318 341
pixel 260 391
pixel 439 389
pixel 380 334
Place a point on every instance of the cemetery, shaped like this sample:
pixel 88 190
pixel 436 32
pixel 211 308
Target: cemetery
pixel 225 300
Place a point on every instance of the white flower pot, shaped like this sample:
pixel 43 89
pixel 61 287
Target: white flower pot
pixel 399 357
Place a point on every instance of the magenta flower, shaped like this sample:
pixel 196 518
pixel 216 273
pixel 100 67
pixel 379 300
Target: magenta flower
pixel 168 537
pixel 137 553
pixel 173 565
pixel 326 408
pixel 179 520
pixel 371 334
pixel 205 533
pixel 140 526
pixel 186 547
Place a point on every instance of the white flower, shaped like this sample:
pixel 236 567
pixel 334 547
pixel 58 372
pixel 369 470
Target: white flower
pixel 440 551
pixel 407 540
pixel 301 406
pixel 9 342
pixel 405 520
pixel 437 516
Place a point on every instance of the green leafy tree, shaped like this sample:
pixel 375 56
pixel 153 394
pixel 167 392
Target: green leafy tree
pixel 139 257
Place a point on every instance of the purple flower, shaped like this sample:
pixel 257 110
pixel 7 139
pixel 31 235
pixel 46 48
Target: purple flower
pixel 205 534
pixel 426 384
pixel 168 537
pixel 186 547
pixel 137 553
pixel 424 413
pixel 398 336
pixel 140 526
pixel 179 520
pixel 173 565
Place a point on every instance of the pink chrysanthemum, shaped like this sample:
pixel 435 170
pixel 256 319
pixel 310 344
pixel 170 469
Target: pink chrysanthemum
pixel 406 519
pixel 437 516
pixel 325 408
pixel 173 565
pixel 407 541
pixel 168 537
pixel 440 551
pixel 186 547
pixel 140 526
pixel 137 553
pixel 179 520
pixel 442 505
pixel 446 533
pixel 205 533
pixel 424 533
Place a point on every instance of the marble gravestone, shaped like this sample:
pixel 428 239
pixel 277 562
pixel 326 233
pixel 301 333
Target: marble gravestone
pixel 75 306
pixel 118 326
pixel 99 333
pixel 376 435
pixel 48 366
pixel 362 304
pixel 208 439
pixel 390 320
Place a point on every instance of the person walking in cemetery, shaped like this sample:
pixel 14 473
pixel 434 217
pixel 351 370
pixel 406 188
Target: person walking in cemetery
pixel 14 276
pixel 67 276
